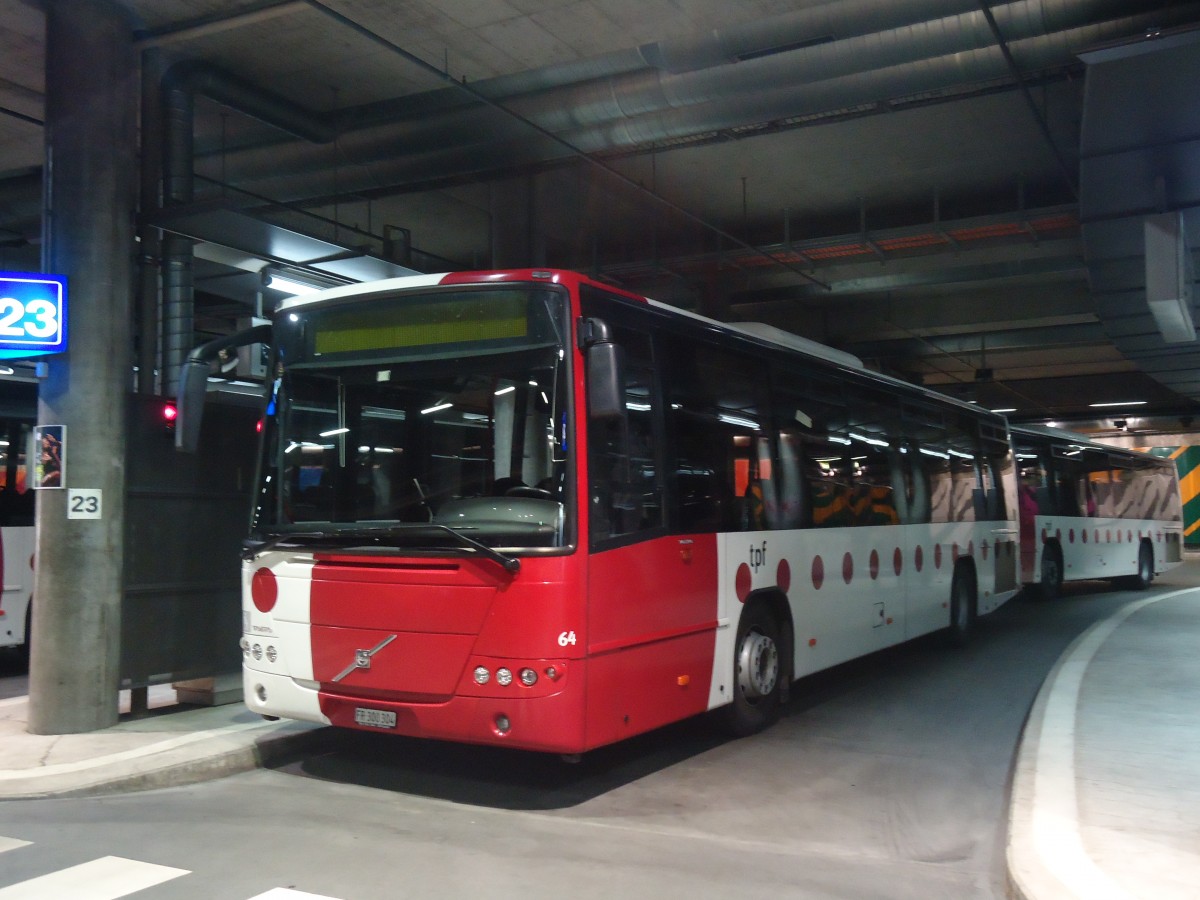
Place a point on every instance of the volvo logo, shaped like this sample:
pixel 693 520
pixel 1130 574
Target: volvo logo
pixel 362 658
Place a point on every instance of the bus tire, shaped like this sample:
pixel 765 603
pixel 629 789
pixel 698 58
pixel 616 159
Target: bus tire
pixel 964 598
pixel 1052 572
pixel 758 673
pixel 1145 570
pixel 25 647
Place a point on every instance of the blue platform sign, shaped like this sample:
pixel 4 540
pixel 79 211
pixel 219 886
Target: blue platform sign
pixel 33 314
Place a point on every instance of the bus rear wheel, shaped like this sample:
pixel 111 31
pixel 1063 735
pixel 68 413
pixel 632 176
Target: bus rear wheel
pixel 758 673
pixel 1052 573
pixel 963 600
pixel 26 647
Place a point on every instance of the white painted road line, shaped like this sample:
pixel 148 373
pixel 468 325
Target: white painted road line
pixel 7 843
pixel 106 878
pixel 289 894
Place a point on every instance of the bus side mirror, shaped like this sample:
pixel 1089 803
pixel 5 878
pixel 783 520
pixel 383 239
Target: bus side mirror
pixel 193 383
pixel 189 403
pixel 605 372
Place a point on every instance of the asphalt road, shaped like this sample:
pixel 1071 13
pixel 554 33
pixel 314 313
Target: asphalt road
pixel 886 778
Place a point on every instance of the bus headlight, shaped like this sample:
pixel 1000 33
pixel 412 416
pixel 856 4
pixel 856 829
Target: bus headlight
pixel 482 675
pixel 504 677
pixel 528 677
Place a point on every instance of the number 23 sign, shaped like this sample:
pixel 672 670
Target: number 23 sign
pixel 33 314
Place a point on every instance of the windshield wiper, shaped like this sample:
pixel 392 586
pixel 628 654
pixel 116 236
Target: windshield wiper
pixel 509 563
pixel 251 549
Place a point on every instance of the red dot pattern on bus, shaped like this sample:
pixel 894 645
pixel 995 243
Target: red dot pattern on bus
pixel 264 590
pixel 783 576
pixel 741 582
pixel 784 572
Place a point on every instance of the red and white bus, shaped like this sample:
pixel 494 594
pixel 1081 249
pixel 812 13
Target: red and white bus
pixel 18 413
pixel 526 509
pixel 1090 511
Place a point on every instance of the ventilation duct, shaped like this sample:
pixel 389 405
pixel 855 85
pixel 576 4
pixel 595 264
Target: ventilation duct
pixel 1169 277
pixel 1139 199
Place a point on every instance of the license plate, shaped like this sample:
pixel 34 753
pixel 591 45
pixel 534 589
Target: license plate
pixel 376 718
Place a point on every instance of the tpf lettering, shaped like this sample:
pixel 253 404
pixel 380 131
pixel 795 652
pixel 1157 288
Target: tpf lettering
pixel 758 556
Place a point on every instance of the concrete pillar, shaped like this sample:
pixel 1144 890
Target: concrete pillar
pixel 90 185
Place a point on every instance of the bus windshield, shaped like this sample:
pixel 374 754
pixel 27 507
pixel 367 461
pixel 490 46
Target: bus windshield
pixel 447 409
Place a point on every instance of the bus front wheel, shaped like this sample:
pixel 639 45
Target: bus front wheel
pixel 1145 569
pixel 758 673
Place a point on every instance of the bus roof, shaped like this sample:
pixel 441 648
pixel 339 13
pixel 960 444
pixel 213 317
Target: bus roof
pixel 1060 435
pixel 755 331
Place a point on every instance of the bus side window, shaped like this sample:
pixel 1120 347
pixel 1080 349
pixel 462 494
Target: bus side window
pixel 723 465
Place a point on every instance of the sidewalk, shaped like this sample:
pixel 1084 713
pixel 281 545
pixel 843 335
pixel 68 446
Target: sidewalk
pixel 1106 800
pixel 172 745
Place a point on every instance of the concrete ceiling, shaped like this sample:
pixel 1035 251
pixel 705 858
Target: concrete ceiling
pixel 952 189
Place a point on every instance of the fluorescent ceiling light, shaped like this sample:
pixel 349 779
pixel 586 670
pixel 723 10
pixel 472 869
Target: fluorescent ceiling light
pixel 333 432
pixel 506 390
pixel 293 288
pixel 874 442
pixel 437 408
pixel 1119 403
pixel 738 421
pixel 1005 409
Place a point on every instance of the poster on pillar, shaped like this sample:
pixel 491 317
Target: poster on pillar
pixel 33 314
pixel 50 456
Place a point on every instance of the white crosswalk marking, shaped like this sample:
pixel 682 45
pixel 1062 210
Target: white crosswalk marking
pixel 289 894
pixel 106 878
pixel 7 843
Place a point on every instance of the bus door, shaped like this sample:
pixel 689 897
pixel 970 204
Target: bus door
pixel 997 474
pixel 651 595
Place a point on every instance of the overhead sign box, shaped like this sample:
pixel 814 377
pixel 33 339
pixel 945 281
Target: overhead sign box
pixel 33 314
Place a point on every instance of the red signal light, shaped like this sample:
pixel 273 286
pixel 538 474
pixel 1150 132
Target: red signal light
pixel 169 413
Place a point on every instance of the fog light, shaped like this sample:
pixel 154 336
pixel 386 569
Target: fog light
pixel 504 677
pixel 482 675
pixel 245 645
pixel 261 693
pixel 528 677
pixel 551 673
pixel 256 651
pixel 272 653
pixel 503 726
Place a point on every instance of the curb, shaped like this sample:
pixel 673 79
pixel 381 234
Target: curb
pixel 174 767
